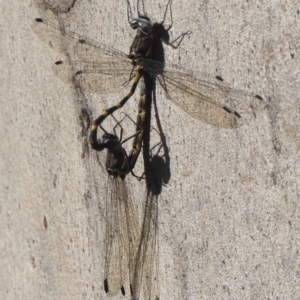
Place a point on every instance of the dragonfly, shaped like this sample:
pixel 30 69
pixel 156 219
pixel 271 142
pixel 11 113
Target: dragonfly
pixel 122 225
pixel 131 250
pixel 97 67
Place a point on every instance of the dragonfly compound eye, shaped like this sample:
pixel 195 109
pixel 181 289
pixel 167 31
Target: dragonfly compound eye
pixel 145 25
pixel 134 23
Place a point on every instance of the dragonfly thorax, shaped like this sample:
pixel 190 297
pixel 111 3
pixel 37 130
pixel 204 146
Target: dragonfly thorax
pixel 116 160
pixel 141 46
pixel 111 142
pixel 117 163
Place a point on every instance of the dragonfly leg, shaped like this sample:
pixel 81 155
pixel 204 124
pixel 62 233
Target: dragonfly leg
pixel 180 38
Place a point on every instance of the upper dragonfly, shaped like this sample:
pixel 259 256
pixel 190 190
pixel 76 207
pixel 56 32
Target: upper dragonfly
pixel 97 67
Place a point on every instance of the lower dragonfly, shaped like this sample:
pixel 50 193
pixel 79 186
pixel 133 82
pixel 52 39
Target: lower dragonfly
pixel 130 250
pixel 122 225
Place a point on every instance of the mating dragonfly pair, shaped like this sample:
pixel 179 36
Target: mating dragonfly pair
pixel 103 69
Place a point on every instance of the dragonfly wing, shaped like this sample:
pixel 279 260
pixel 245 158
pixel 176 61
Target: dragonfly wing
pixel 90 50
pixel 204 96
pixel 121 238
pixel 99 78
pixel 116 258
pixel 221 92
pixel 200 104
pixel 77 46
pixel 209 98
pixel 146 268
pixel 133 231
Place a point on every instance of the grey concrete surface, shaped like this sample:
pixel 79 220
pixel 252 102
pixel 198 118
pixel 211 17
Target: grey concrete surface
pixel 229 216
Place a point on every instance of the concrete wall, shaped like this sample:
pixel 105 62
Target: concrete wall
pixel 229 216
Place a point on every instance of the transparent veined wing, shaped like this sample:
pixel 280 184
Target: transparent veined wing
pixel 122 233
pixel 103 69
pixel 102 78
pixel 96 67
pixel 203 96
pixel 77 46
pixel 145 281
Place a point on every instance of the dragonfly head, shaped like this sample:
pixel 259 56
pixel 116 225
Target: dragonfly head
pixel 143 24
pixel 110 142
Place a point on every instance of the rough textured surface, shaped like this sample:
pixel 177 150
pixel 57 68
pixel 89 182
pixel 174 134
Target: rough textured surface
pixel 229 216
